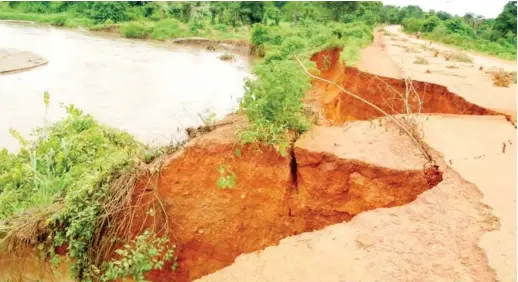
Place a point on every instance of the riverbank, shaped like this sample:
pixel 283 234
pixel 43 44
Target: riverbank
pixel 161 30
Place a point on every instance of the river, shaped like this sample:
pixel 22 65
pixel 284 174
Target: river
pixel 152 90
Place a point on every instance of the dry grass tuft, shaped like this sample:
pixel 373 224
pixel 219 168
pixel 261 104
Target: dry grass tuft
pixel 502 78
pixel 452 66
pixel 421 61
pixel 227 57
pixel 457 57
pixel 412 49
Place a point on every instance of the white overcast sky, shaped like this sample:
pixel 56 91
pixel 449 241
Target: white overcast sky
pixel 486 8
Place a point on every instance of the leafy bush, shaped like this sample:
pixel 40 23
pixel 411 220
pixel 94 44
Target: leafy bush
pixel 293 45
pixel 413 24
pixel 273 102
pixel 136 258
pixel 135 30
pixel 259 34
pixel 221 27
pixel 58 21
pixel 102 11
pixel 431 23
pixel 166 29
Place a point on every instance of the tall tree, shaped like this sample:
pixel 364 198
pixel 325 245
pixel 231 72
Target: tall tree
pixel 505 23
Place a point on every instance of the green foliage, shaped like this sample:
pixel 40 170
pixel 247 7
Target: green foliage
pixel 136 258
pixel 102 11
pixel 413 24
pixel 259 34
pixel 64 174
pixel 135 30
pixel 165 29
pixel 430 24
pixel 227 178
pixel 273 102
pixel 505 23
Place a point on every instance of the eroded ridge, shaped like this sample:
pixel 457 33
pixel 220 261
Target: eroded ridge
pixel 389 94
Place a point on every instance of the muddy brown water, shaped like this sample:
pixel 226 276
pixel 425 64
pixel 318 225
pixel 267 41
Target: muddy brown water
pixel 152 90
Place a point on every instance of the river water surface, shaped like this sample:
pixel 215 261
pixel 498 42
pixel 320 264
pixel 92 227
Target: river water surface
pixel 153 91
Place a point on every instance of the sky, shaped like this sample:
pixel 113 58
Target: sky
pixel 486 8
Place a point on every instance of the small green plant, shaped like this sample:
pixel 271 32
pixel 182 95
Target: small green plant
pixel 227 178
pixel 209 119
pixel 135 30
pixel 136 258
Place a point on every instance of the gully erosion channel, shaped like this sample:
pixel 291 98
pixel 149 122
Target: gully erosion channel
pixel 152 90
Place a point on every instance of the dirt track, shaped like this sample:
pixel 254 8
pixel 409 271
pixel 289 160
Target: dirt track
pixel 464 229
pixel 464 79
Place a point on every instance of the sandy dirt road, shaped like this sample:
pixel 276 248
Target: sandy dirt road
pixel 462 78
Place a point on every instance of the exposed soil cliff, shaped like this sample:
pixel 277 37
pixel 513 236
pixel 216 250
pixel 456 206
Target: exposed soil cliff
pixel 384 92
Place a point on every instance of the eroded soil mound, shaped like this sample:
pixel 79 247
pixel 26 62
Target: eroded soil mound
pixel 387 93
pixel 273 197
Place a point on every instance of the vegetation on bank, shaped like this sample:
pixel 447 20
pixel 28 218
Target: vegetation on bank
pixel 73 185
pixel 232 20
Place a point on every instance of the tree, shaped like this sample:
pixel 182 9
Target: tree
pixel 340 8
pixel 431 23
pixel 410 12
pixel 505 23
pixel 388 14
pixel 444 15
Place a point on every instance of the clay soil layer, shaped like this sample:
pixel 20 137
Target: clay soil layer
pixel 274 197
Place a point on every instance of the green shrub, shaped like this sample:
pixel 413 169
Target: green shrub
pixel 259 34
pixel 293 45
pixel 135 30
pixel 166 29
pixel 58 21
pixel 413 24
pixel 221 27
pixel 273 102
pixel 102 11
pixel 145 253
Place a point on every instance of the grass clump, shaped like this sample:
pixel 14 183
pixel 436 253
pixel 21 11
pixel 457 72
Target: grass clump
pixel 457 56
pixel 135 30
pixel 452 66
pixel 74 185
pixel 502 78
pixel 166 29
pixel 421 61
